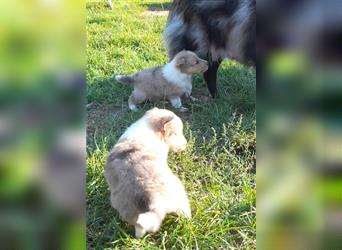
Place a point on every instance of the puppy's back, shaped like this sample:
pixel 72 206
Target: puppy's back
pixel 152 82
pixel 135 176
pixel 150 76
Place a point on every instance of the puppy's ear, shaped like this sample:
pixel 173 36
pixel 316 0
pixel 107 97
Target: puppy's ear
pixel 181 61
pixel 164 124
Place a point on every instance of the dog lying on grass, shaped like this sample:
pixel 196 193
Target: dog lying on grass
pixel 143 188
pixel 169 82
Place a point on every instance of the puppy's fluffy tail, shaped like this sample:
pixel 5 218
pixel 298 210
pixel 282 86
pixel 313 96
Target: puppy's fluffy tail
pixel 150 221
pixel 124 79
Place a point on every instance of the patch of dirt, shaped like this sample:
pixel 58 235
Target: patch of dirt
pixel 99 116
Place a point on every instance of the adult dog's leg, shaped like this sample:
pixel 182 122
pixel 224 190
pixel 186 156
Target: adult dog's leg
pixel 210 77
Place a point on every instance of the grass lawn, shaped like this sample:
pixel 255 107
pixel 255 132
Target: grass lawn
pixel 218 167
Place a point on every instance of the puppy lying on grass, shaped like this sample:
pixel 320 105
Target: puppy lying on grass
pixel 168 82
pixel 143 188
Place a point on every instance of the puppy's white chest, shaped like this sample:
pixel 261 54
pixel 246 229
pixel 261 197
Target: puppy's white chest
pixel 188 86
pixel 183 82
pixel 177 78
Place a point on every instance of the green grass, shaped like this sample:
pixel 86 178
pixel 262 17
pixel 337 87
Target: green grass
pixel 218 167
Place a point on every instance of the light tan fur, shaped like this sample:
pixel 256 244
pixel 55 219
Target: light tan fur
pixel 168 82
pixel 143 188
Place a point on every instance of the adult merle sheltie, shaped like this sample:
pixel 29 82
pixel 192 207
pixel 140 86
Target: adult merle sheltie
pixel 214 30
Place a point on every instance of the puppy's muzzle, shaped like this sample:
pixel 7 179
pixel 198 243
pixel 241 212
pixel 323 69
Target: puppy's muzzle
pixel 182 146
pixel 205 65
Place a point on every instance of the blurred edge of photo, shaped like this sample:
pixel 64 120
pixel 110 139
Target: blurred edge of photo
pixel 299 121
pixel 42 124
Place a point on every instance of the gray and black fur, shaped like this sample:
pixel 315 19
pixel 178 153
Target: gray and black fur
pixel 214 30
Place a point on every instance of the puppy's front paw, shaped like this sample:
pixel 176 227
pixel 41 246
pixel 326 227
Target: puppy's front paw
pixel 183 109
pixel 110 4
pixel 187 213
pixel 193 99
pixel 176 102
pixel 133 107
pixel 139 232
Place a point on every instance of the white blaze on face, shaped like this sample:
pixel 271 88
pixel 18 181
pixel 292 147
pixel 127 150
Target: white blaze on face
pixel 174 75
pixel 141 131
pixel 172 139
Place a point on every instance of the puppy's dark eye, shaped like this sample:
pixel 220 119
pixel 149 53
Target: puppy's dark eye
pixel 197 62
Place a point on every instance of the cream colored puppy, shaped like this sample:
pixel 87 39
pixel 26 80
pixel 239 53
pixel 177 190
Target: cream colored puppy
pixel 168 82
pixel 143 188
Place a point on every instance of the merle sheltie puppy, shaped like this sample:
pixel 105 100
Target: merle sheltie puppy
pixel 143 187
pixel 214 30
pixel 169 82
